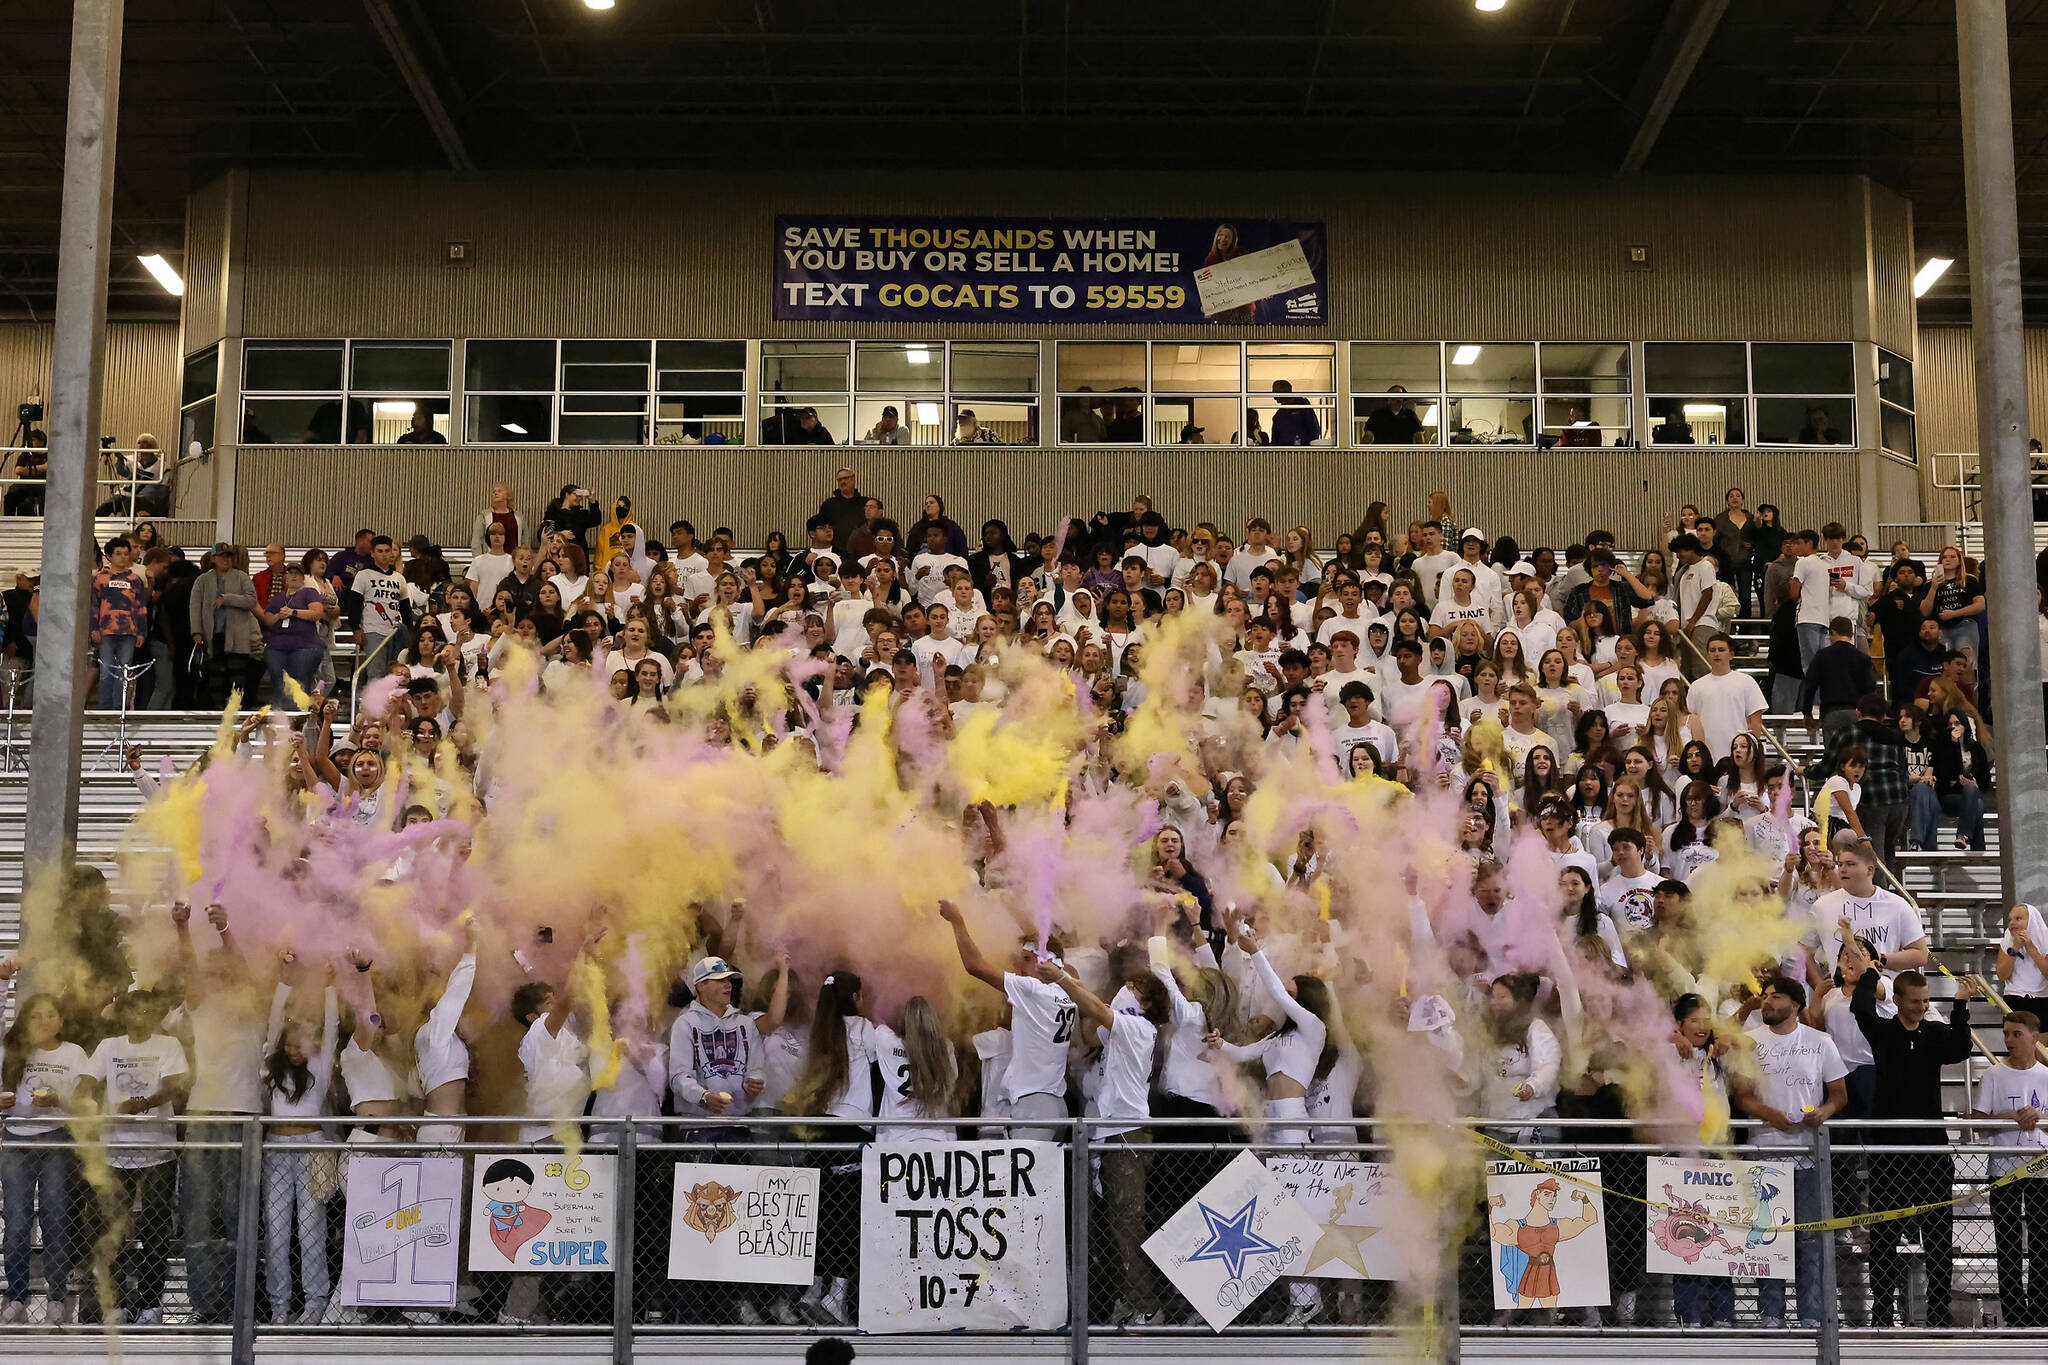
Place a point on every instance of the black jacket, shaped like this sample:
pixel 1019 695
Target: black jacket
pixel 1948 760
pixel 980 569
pixel 1908 1064
pixel 846 515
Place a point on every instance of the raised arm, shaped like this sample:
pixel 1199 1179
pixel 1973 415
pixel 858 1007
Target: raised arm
pixel 279 998
pixel 330 1027
pixel 1270 979
pixel 778 1000
pixel 1091 1006
pixel 971 959
pixel 369 1024
pixel 441 1020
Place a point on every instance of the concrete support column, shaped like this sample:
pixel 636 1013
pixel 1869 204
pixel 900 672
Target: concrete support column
pixel 56 733
pixel 2015 672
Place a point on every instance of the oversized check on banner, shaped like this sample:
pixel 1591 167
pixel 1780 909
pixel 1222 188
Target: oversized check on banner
pixel 1248 279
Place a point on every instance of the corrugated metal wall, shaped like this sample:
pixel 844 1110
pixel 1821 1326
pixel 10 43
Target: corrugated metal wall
pixel 206 241
pixel 1412 257
pixel 141 389
pixel 320 496
pixel 1893 314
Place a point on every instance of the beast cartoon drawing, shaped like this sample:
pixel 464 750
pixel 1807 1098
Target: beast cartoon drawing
pixel 708 1208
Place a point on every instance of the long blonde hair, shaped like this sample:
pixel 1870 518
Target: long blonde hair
pixel 933 1080
pixel 1639 820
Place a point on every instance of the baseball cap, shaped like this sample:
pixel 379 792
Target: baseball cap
pixel 710 969
pixel 1472 533
pixel 223 548
pixel 1521 568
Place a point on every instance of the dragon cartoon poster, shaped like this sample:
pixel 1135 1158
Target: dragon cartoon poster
pixel 1726 1218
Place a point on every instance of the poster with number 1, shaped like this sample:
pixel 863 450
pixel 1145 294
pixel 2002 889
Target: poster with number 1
pixel 404 1225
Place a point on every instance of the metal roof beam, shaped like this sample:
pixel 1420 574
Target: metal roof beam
pixel 1688 27
pixel 426 74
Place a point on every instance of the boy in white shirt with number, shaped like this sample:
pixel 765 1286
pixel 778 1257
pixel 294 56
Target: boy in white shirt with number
pixel 2017 1090
pixel 1041 1027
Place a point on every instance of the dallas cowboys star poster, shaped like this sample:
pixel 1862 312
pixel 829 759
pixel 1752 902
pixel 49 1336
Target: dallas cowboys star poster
pixel 1226 1245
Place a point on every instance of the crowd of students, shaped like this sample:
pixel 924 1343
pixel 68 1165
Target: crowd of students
pixel 1578 715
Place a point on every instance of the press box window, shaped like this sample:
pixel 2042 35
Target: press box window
pixel 510 397
pixel 1396 393
pixel 1102 392
pixel 796 375
pixel 401 379
pixel 1585 390
pixel 1698 392
pixel 1805 393
pixel 605 385
pixel 1897 428
pixel 1490 393
pixel 701 392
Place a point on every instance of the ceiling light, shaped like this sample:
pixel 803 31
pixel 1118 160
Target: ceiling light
pixel 1936 267
pixel 1465 355
pixel 1486 6
pixel 397 408
pixel 927 414
pixel 515 428
pixel 919 355
pixel 1716 411
pixel 1188 355
pixel 1429 415
pixel 165 276
pixel 607 4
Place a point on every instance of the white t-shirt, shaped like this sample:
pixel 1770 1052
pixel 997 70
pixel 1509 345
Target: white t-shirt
pixel 933 656
pixel 1795 1070
pixel 1429 571
pixel 557 1077
pixel 1631 900
pixel 1486 585
pixel 1626 722
pixel 1126 1092
pixel 227 1055
pixel 1846 1032
pixel 1448 613
pixel 782 1061
pixel 55 1069
pixel 1239 570
pixel 487 571
pixel 1041 1028
pixel 1357 625
pixel 897 1103
pixel 130 1071
pixel 1161 559
pixel 2004 1089
pixel 928 574
pixel 1347 737
pixel 1883 917
pixel 383 597
pixel 1402 703
pixel 1724 705
pixel 1693 583
pixel 1838 787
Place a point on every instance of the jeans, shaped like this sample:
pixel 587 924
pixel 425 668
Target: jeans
pixel 227 673
pixel 302 665
pixel 139 1268
pixel 1806 1208
pixel 1718 1294
pixel 2019 1224
pixel 163 682
pixel 288 1191
pixel 1886 825
pixel 1784 693
pixel 38 1179
pixel 1124 1169
pixel 116 654
pixel 212 1195
pixel 1966 804
pixel 1899 1182
pixel 1812 640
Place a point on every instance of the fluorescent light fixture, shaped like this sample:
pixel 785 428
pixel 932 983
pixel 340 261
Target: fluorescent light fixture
pixel 1716 411
pixel 1188 355
pixel 598 4
pixel 515 428
pixel 1936 267
pixel 927 414
pixel 1485 6
pixel 1468 354
pixel 168 278
pixel 397 408
pixel 1429 415
pixel 918 355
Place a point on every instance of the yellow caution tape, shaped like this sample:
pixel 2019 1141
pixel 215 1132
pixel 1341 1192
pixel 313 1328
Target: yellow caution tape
pixel 2032 1166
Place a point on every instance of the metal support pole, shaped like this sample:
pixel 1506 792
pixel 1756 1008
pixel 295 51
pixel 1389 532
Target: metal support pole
pixel 246 1237
pixel 1827 1346
pixel 1077 1243
pixel 1996 330
pixel 57 726
pixel 626 1211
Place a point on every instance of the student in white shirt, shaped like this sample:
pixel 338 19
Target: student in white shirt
pixel 1257 552
pixel 141 1071
pixel 39 1074
pixel 1354 614
pixel 1462 603
pixel 1725 701
pixel 1882 918
pixel 1042 1027
pixel 928 570
pixel 555 1061
pixel 838 1080
pixel 2017 1090
pixel 2022 965
pixel 440 1056
pixel 1432 561
pixel 1628 894
pixel 1126 1036
pixel 1828 584
pixel 295 1083
pixel 919 1077
pixel 938 648
pixel 1294 1058
pixel 1796 1084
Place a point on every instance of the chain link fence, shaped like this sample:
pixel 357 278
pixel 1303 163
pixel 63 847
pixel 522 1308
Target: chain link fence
pixel 236 1223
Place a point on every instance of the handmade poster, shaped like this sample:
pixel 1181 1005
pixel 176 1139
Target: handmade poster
pixel 542 1212
pixel 963 1235
pixel 743 1224
pixel 1245 280
pixel 1548 1248
pixel 403 1216
pixel 1353 1205
pixel 1727 1218
pixel 1238 1234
